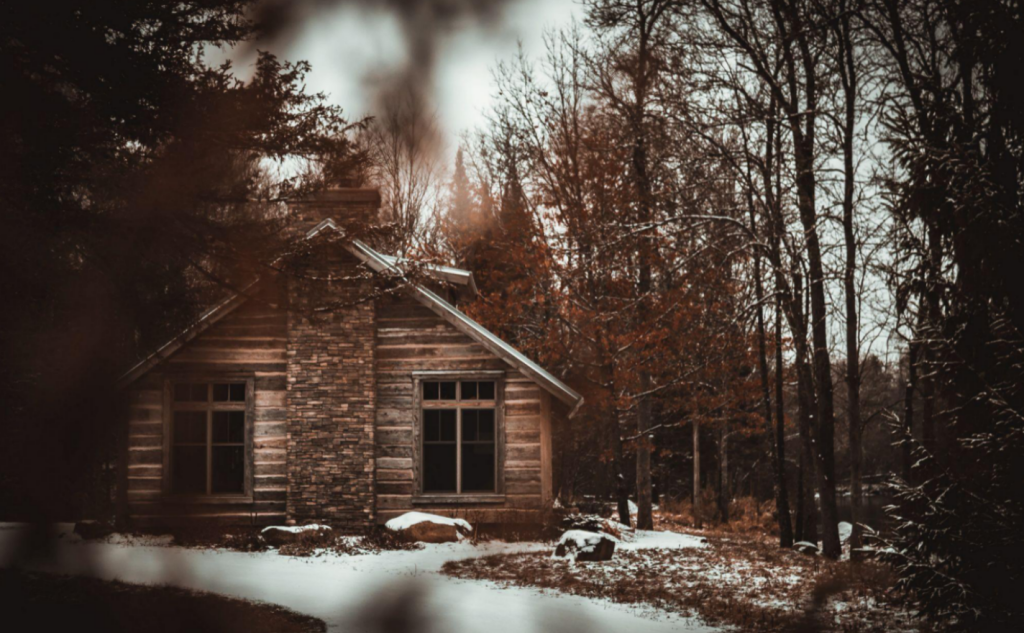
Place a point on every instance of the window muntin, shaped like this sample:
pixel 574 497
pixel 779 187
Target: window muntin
pixel 459 452
pixel 208 433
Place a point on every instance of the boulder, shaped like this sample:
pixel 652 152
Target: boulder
pixel 845 531
pixel 585 546
pixel 420 527
pixel 92 529
pixel 278 535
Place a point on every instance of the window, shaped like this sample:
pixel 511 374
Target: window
pixel 208 436
pixel 459 431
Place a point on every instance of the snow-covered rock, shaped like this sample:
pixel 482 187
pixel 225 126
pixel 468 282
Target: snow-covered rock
pixel 429 528
pixel 805 547
pixel 586 546
pixel 845 531
pixel 278 535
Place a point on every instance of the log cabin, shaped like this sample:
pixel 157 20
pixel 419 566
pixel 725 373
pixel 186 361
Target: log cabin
pixel 264 412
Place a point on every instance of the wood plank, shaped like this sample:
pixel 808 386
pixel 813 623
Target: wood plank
pixel 394 488
pixel 523 452
pixel 393 475
pixel 516 409
pixel 394 463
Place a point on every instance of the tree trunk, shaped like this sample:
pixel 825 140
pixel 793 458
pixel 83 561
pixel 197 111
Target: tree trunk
pixel 781 494
pixel 697 518
pixel 807 517
pixel 614 439
pixel 823 433
pixel 908 410
pixel 848 72
pixel 723 473
pixel 644 519
pixel 777 445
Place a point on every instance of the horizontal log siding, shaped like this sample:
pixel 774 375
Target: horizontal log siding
pixel 412 338
pixel 250 341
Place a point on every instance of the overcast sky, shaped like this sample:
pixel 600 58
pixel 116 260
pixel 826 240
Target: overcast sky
pixel 352 44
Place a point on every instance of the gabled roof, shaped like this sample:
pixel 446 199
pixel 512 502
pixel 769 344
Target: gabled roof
pixel 457 276
pixel 472 329
pixel 203 323
pixel 379 262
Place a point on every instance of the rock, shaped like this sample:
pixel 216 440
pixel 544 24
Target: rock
pixel 585 546
pixel 421 527
pixel 278 535
pixel 845 531
pixel 805 547
pixel 92 529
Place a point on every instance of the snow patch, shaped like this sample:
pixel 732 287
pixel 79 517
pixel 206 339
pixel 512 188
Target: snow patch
pixel 295 529
pixel 649 539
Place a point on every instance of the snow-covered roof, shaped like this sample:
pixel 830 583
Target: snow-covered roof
pixel 379 262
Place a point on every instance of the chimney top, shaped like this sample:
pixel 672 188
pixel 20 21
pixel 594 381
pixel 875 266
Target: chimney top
pixel 342 204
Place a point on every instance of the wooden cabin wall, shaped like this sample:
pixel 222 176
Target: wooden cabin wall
pixel 250 341
pixel 412 338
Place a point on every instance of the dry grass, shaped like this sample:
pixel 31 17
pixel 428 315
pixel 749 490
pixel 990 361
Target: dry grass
pixel 747 515
pixel 739 580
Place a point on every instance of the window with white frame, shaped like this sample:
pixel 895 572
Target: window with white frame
pixel 459 431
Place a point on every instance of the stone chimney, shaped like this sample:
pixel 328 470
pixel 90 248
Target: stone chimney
pixel 342 204
pixel 331 397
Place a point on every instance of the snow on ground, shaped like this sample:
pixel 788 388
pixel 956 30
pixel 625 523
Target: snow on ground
pixel 649 539
pixel 358 594
pixel 295 529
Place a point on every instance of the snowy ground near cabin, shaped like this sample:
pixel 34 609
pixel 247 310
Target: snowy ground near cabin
pixel 362 593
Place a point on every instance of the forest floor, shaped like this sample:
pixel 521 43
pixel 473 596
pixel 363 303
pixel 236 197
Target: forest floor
pixel 735 579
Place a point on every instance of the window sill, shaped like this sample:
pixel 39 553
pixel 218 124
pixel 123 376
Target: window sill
pixel 207 499
pixel 428 499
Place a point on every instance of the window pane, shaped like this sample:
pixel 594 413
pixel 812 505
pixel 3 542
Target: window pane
pixel 431 425
pixel 228 426
pixel 220 392
pixel 469 391
pixel 485 425
pixel 228 469
pixel 190 427
pixel 189 467
pixel 448 418
pixel 189 392
pixel 478 468
pixel 486 390
pixel 430 391
pixel 229 392
pixel 439 468
pixel 448 390
pixel 469 425
pixel 182 392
